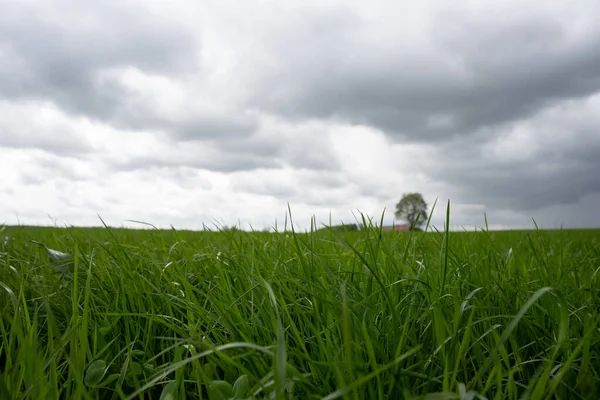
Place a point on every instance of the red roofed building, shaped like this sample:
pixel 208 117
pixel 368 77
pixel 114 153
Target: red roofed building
pixel 396 227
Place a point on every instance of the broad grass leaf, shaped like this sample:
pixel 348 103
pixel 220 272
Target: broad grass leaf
pixel 95 372
pixel 220 390
pixel 440 396
pixel 169 392
pixel 138 353
pixel 241 386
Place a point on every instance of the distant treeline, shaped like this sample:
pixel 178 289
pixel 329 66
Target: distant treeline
pixel 342 228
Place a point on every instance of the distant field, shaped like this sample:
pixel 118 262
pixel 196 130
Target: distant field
pixel 150 314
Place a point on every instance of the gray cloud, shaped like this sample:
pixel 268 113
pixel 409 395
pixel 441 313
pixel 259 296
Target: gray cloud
pixel 315 188
pixel 526 186
pixel 235 153
pixel 552 160
pixel 273 144
pixel 231 127
pixel 329 106
pixel 138 113
pixel 49 53
pixel 41 126
pixel 464 73
pixel 219 162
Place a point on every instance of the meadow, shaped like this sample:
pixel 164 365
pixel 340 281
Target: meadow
pixel 167 314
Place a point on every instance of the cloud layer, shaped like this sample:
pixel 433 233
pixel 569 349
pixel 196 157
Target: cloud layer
pixel 195 112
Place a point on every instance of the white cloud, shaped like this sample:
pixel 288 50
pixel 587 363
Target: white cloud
pixel 41 125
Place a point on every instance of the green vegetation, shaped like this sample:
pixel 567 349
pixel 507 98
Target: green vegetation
pixel 413 208
pixel 151 314
pixel 341 228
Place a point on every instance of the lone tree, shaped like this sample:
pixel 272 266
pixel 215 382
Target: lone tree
pixel 413 209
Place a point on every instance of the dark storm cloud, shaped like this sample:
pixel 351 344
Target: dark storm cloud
pixel 555 173
pixel 55 53
pixel 583 214
pixel 526 186
pixel 470 72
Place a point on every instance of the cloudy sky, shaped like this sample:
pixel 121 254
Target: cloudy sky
pixel 189 112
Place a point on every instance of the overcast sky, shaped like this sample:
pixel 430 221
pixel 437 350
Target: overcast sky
pixel 189 112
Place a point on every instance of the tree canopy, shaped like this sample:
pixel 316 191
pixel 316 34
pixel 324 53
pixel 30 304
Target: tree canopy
pixel 413 208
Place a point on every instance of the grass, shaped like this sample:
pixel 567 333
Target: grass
pixel 151 314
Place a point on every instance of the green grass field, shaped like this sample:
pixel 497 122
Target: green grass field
pixel 151 314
